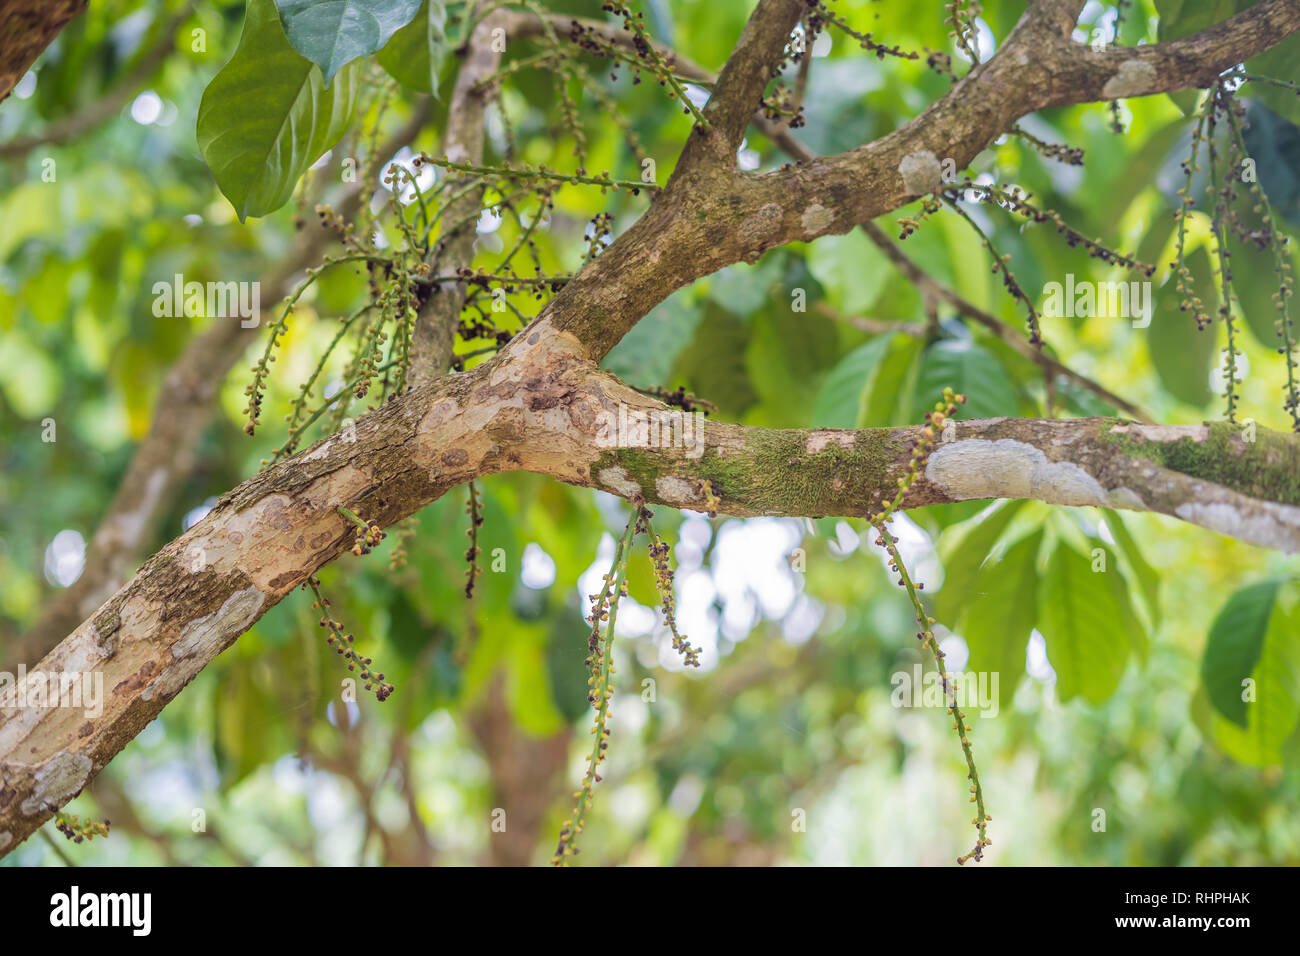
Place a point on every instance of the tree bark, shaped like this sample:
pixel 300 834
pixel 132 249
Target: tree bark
pixel 542 404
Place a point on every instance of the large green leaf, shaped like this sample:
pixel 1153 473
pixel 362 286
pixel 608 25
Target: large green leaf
pixel 841 402
pixel 1147 578
pixel 1181 353
pixel 1085 623
pixel 1234 646
pixel 1272 718
pixel 962 562
pixel 333 33
pixel 1003 613
pixel 267 116
pixel 968 369
pixel 415 54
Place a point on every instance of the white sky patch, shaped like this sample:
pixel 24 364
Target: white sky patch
pixel 26 86
pixel 425 177
pixel 325 158
pixel 488 221
pixel 919 554
pixel 846 541
pixel 538 568
pixel 193 219
pixel 1037 665
pixel 803 620
pixel 822 45
pixel 65 558
pixel 750 565
pixel 197 514
pixel 746 158
pixel 146 108
pixel 985 45
pixel 698 95
pixel 956 652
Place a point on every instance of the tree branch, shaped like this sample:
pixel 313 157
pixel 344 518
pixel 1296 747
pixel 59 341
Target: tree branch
pixel 165 457
pixel 27 27
pixel 70 127
pixel 435 329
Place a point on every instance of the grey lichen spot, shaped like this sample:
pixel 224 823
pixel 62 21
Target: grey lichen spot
pixel 5 839
pixel 1133 78
pixel 59 780
pixel 921 172
pixel 816 218
pixel 207 632
pixel 618 481
pixel 977 468
pixel 1197 433
pixel 674 490
pixel 1268 524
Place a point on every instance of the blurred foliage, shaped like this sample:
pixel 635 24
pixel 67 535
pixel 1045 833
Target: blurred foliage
pixel 1106 701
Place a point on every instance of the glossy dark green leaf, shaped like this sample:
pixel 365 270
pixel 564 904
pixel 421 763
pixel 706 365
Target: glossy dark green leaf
pixel 333 33
pixel 266 117
pixel 1234 645
pixel 1085 625
pixel 970 370
pixel 841 402
pixel 1003 612
pixel 416 52
pixel 1182 354
pixel 962 562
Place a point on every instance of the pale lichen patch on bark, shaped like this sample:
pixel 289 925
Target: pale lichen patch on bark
pixel 976 468
pixel 676 491
pixel 1198 433
pixel 1266 523
pixel 921 172
pixel 816 219
pixel 821 440
pixel 1133 78
pixel 619 481
pixel 57 781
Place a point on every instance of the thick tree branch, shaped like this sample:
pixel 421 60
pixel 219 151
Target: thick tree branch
pixel 435 328
pixel 540 406
pixel 27 27
pixel 165 457
pixel 70 127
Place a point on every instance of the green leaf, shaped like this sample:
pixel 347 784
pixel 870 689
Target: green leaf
pixel 1181 353
pixel 1234 646
pixel 1273 716
pixel 1085 626
pixel 1273 142
pixel 970 370
pixel 1147 578
pixel 851 270
pixel 646 354
pixel 1003 613
pixel 841 402
pixel 962 563
pixel 416 52
pixel 266 116
pixel 333 33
